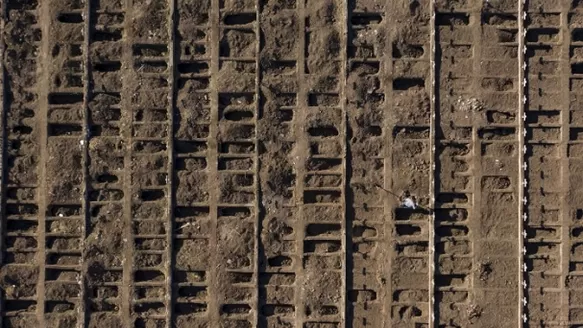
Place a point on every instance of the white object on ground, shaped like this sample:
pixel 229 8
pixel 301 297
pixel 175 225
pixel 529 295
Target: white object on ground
pixel 409 203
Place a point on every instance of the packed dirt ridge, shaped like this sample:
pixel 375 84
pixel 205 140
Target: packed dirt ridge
pixel 291 163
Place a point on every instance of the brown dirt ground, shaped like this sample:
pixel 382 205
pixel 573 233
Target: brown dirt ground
pixel 200 166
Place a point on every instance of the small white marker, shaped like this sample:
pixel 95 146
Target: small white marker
pixel 524 50
pixel 524 301
pixel 524 16
pixel 524 200
pixel 524 82
pixel 525 182
pixel 524 132
pixel 524 318
pixel 524 267
pixel 524 116
pixel 524 234
pixel 524 166
pixel 524 99
pixel 524 250
pixel 524 216
pixel 524 66
pixel 524 149
pixel 524 285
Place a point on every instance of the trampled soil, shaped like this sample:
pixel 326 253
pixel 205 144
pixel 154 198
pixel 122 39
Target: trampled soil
pixel 235 163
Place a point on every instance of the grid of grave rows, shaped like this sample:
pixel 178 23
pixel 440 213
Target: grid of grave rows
pixel 236 43
pixel 20 158
pixel 476 149
pixel 64 201
pixel 127 175
pixel 280 264
pixel 193 221
pixel 572 135
pixel 215 140
pixel 280 268
pixel 106 183
pixel 408 89
pixel 321 182
pixel 455 193
pixel 66 127
pixel 148 154
pixel 552 136
pixel 367 249
pixel 543 142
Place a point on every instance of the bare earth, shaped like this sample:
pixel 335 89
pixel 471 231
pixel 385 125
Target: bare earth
pixel 221 163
